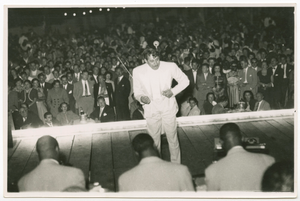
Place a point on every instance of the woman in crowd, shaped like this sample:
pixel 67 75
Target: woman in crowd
pixel 18 86
pixel 194 110
pixel 220 81
pixel 109 81
pixel 209 103
pixel 249 100
pixel 29 96
pixel 56 96
pixel 65 115
pixel 40 102
pixel 265 80
pixel 232 86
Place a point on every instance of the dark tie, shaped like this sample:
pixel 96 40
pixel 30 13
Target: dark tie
pixel 86 89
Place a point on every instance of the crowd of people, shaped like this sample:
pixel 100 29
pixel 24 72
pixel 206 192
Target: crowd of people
pixel 226 62
pixel 239 170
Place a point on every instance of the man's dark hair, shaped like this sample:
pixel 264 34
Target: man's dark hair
pixel 230 134
pixel 142 142
pixel 46 114
pixel 196 61
pixel 64 76
pixel 150 51
pixel 186 60
pixel 85 71
pixel 204 64
pixel 279 177
pixel 54 82
pixel 100 97
pixel 40 75
pixel 193 99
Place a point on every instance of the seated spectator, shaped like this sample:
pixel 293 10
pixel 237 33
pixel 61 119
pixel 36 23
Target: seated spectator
pixel 153 173
pixel 194 110
pixel 49 175
pixel 65 115
pixel 27 119
pixel 209 103
pixel 249 100
pixel 220 107
pixel 239 170
pixel 279 178
pixel 138 114
pixel 103 112
pixel 49 121
pixel 261 104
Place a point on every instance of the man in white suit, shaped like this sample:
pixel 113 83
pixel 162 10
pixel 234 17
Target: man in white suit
pixel 153 173
pixel 239 170
pixel 152 87
pixel 49 175
pixel 261 104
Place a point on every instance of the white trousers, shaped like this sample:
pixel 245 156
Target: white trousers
pixel 165 121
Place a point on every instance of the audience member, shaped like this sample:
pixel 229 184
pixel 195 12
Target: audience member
pixel 194 110
pixel 29 96
pixel 27 119
pixel 261 104
pixel 40 102
pixel 138 114
pixel 103 112
pixel 209 103
pixel 49 121
pixel 56 96
pixel 249 100
pixel 220 80
pixel 49 175
pixel 153 173
pixel 277 74
pixel 220 107
pixel 265 81
pixel 65 115
pixel 69 89
pixel 239 170
pixel 232 86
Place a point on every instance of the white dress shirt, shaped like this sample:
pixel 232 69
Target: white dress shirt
pixel 85 93
pixel 195 75
pixel 284 70
pixel 245 72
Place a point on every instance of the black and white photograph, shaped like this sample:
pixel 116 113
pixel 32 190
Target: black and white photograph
pixel 186 101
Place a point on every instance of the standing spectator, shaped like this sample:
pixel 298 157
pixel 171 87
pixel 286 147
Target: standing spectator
pixel 286 68
pixel 65 115
pixel 239 170
pixel 220 81
pixel 265 81
pixel 56 96
pixel 254 65
pixel 233 88
pixel 205 83
pixel 153 173
pixel 45 86
pixel 277 73
pixel 209 103
pixel 48 74
pixel 247 77
pixel 152 87
pixel 29 96
pixel 49 175
pixel 69 89
pixel 84 93
pixel 192 75
pixel 109 81
pixel 122 92
pixel 40 102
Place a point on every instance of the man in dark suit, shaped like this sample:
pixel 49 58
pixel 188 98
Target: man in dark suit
pixel 49 121
pixel 138 114
pixel 27 120
pixel 69 89
pixel 192 75
pixel 286 68
pixel 271 53
pixel 103 113
pixel 277 73
pixel 44 85
pixel 122 92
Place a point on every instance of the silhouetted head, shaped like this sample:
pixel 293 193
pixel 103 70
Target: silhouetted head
pixel 47 148
pixel 231 136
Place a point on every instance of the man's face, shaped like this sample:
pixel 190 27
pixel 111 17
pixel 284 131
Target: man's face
pixel 85 75
pixel 204 69
pixel 23 112
pixel 48 118
pixel 194 66
pixel 273 62
pixel 55 74
pixel 192 103
pixel 56 85
pixel 254 63
pixel 100 78
pixel 244 64
pixel 42 79
pixel 101 102
pixel 119 72
pixel 64 81
pixel 259 97
pixel 95 71
pixel 76 69
pixel 283 60
pixel 211 62
pixel 69 77
pixel 153 62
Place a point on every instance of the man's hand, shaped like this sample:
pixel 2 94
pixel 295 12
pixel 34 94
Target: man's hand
pixel 145 99
pixel 168 93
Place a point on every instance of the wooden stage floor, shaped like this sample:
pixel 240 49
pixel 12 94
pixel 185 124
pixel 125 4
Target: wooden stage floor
pixel 104 157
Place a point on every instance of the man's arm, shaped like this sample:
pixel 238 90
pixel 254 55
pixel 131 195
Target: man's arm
pixel 138 87
pixel 181 79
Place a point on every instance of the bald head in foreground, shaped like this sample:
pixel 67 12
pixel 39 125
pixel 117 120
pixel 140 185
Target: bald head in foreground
pixel 152 173
pixel 49 175
pixel 239 170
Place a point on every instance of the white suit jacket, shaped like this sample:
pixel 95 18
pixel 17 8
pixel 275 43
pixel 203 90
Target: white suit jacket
pixel 50 176
pixel 142 87
pixel 154 174
pixel 238 171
